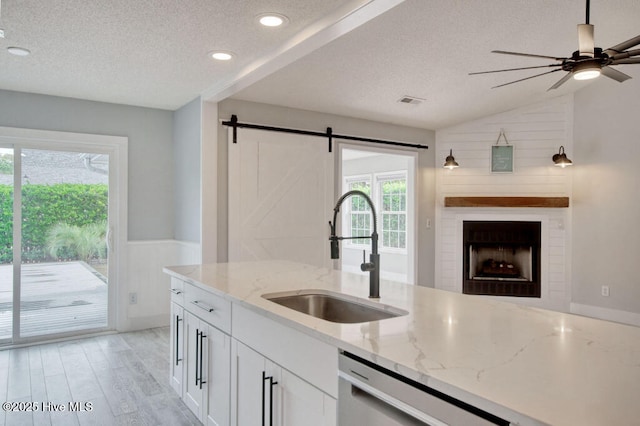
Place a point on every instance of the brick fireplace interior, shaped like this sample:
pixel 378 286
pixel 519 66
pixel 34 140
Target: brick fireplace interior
pixel 501 258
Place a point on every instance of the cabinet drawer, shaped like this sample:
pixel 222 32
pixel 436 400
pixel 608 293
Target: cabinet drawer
pixel 211 308
pixel 177 291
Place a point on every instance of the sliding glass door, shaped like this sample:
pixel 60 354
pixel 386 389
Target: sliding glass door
pixel 54 252
pixel 6 243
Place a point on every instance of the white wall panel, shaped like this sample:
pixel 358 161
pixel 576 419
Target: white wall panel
pixel 536 133
pixel 145 278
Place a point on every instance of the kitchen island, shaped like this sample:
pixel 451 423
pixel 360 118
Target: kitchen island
pixel 526 365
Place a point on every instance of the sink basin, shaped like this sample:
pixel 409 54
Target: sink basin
pixel 334 307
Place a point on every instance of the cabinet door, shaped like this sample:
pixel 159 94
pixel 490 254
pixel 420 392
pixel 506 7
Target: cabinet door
pixel 302 404
pixel 217 375
pixel 254 387
pixel 193 390
pixel 176 357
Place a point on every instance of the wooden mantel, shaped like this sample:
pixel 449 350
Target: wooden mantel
pixel 546 202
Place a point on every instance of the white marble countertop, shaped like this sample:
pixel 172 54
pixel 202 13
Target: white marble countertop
pixel 527 365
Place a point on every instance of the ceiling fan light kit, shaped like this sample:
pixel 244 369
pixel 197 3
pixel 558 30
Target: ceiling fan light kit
pixel 586 71
pixel 586 63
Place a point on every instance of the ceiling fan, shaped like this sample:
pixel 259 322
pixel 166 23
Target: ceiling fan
pixel 585 63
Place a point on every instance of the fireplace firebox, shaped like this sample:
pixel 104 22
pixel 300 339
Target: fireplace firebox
pixel 501 258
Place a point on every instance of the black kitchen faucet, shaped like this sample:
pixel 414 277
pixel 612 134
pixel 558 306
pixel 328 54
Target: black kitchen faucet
pixel 373 266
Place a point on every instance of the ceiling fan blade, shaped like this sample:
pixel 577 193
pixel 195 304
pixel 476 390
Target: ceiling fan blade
pixel 503 52
pixel 585 40
pixel 623 46
pixel 614 74
pixel 625 55
pixel 626 61
pixel 560 82
pixel 526 78
pixel 515 69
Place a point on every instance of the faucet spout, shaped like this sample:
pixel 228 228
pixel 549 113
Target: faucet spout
pixel 373 266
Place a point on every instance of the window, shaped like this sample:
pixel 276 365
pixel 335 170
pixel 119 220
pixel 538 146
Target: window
pixel 394 212
pixel 390 199
pixel 360 212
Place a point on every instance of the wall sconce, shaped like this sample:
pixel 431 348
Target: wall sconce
pixel 450 162
pixel 560 159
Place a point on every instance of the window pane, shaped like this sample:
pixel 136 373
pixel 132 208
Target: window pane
pixel 394 205
pixel 360 216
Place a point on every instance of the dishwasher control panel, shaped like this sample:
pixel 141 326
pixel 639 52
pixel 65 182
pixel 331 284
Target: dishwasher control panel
pixel 372 395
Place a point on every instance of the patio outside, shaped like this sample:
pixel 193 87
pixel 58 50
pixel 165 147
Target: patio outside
pixel 55 298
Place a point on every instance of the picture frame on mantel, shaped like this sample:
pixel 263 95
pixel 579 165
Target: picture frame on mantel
pixel 502 159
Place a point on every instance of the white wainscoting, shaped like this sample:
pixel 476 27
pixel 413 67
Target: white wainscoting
pixel 536 133
pixel 145 277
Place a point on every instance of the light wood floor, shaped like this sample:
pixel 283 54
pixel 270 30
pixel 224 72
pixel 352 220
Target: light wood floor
pixel 124 376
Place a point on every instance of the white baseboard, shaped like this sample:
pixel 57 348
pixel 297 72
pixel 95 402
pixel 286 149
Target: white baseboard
pixel 624 317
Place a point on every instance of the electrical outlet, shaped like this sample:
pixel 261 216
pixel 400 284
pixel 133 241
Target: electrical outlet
pixel 133 298
pixel 605 290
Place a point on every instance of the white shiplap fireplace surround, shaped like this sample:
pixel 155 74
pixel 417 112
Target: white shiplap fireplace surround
pixel 536 132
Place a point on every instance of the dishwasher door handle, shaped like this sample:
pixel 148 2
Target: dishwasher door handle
pixel 389 400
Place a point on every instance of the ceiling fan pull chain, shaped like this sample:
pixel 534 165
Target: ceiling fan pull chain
pixel 502 135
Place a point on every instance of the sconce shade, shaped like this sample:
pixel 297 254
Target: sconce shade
pixel 560 159
pixel 450 162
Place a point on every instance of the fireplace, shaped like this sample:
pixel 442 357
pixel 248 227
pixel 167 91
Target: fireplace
pixel 501 258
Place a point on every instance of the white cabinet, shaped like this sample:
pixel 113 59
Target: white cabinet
pixel 176 358
pixel 217 374
pixel 261 373
pixel 201 352
pixel 194 391
pixel 252 384
pixel 303 404
pixel 268 394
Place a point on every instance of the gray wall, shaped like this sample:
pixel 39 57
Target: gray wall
pixel 606 205
pixel 186 162
pixel 150 214
pixel 287 117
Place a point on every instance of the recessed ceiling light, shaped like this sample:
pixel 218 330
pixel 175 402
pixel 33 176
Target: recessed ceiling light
pixel 272 19
pixel 18 51
pixel 222 55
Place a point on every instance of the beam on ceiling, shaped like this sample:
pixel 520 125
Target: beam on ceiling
pixel 346 19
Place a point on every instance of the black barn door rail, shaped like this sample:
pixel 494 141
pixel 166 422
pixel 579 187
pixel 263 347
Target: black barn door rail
pixel 328 134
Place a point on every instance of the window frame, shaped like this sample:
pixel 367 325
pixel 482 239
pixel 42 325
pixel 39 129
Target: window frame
pixel 381 178
pixel 375 183
pixel 348 181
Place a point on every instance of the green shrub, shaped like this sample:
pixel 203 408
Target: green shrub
pixel 77 242
pixel 44 206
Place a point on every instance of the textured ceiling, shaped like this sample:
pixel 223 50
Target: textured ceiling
pixel 426 48
pixel 141 52
pixel 153 52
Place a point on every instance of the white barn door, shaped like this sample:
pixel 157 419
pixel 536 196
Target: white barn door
pixel 280 197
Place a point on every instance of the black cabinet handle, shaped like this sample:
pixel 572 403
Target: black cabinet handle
pixel 271 384
pixel 197 349
pixel 202 337
pixel 178 319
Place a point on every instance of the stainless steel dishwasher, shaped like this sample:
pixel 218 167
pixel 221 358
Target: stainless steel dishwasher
pixel 371 395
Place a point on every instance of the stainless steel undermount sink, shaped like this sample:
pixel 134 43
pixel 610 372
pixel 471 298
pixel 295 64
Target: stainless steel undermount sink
pixel 334 307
